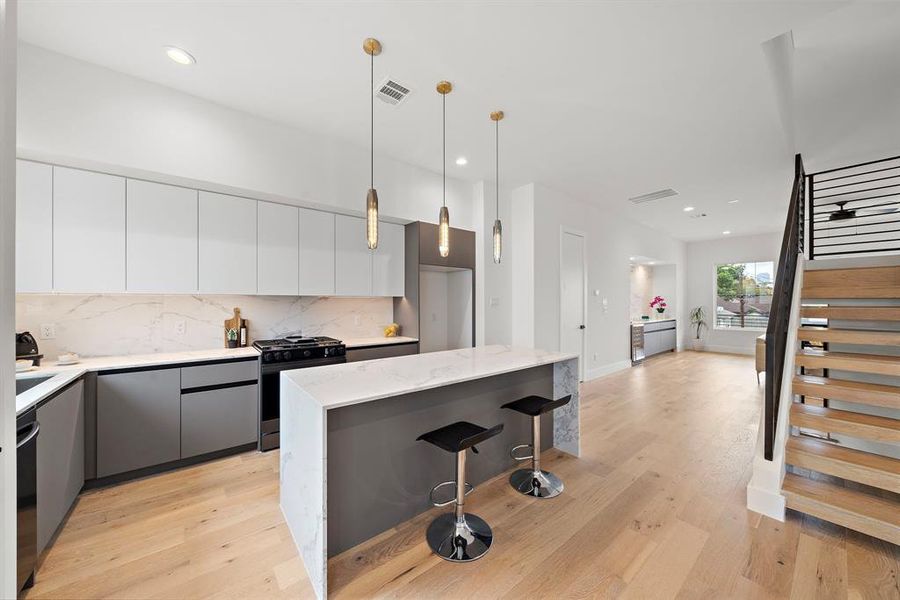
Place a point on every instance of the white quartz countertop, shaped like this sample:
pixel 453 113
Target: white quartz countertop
pixel 646 321
pixel 334 386
pixel 45 389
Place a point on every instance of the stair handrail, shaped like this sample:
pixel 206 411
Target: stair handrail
pixel 780 311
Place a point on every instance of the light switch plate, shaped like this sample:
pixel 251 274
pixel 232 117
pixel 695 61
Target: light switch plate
pixel 495 301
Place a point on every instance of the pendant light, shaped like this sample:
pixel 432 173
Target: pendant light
pixel 496 117
pixel 444 88
pixel 373 49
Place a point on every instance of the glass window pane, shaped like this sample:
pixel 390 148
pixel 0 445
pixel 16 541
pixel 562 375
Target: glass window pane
pixel 744 294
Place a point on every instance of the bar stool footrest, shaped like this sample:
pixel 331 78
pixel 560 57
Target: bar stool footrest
pixel 512 452
pixel 469 489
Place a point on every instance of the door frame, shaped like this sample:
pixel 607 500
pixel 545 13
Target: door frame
pixel 563 231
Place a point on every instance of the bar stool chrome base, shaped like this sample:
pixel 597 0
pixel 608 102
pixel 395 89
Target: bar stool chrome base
pixel 538 484
pixel 459 540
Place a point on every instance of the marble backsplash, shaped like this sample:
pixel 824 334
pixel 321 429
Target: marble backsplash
pixel 121 324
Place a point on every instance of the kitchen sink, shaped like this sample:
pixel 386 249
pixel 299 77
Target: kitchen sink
pixel 25 384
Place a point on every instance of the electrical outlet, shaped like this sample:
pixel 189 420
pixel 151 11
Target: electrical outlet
pixel 495 301
pixel 180 327
pixel 357 320
pixel 48 331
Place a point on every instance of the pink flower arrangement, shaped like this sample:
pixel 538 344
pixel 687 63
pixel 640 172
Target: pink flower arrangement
pixel 659 303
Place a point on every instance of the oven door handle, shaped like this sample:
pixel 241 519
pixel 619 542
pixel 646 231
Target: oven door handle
pixel 35 429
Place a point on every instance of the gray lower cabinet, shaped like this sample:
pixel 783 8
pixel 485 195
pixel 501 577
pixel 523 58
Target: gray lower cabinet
pixel 60 459
pixel 138 420
pixel 373 352
pixel 218 419
pixel 660 337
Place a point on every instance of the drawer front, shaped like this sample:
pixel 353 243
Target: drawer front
pixel 358 354
pixel 217 374
pixel 218 419
pixel 658 326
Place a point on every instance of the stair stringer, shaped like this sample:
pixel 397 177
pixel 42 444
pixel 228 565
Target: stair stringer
pixel 764 489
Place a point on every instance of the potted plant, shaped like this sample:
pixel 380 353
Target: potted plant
pixel 698 322
pixel 232 338
pixel 659 303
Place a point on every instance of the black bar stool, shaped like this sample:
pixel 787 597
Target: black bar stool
pixel 534 481
pixel 459 536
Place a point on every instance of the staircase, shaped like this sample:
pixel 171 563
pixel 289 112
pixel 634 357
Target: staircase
pixel 842 455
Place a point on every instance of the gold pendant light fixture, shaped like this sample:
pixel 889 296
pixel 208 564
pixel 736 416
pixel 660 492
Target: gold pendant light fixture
pixel 496 117
pixel 372 47
pixel 444 88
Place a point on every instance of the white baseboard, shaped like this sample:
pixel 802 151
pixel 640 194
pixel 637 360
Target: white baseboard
pixel 608 369
pixel 766 502
pixel 730 349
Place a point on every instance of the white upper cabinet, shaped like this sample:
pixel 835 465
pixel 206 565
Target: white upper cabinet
pixel 227 244
pixel 88 231
pixel 278 261
pixel 161 238
pixel 34 227
pixel 353 260
pixel 316 253
pixel 388 261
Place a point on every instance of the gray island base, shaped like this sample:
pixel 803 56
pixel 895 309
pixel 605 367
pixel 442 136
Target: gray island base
pixel 350 464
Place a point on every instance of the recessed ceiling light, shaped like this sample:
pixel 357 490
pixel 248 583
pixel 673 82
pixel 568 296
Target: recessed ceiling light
pixel 726 233
pixel 182 57
pixel 688 208
pixel 630 258
pixel 651 262
pixel 733 201
pixel 462 161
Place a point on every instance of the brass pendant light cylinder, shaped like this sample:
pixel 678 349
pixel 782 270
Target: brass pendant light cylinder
pixel 444 88
pixel 496 117
pixel 372 47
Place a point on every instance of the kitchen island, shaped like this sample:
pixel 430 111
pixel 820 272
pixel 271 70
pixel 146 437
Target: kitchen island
pixel 350 464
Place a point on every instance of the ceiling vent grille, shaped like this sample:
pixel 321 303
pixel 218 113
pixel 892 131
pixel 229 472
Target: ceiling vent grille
pixel 658 195
pixel 392 93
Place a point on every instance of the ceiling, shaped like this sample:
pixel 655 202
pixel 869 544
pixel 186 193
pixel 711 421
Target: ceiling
pixel 603 100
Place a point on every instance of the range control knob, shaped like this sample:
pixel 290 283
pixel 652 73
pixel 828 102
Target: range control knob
pixel 286 355
pixel 307 353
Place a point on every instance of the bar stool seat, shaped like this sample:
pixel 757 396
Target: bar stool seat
pixel 535 481
pixel 459 536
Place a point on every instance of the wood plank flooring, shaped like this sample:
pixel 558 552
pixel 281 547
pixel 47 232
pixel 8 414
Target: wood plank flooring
pixel 655 508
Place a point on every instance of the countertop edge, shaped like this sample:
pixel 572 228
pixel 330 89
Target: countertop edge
pixel 285 376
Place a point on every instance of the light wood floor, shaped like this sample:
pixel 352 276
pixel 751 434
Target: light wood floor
pixel 654 509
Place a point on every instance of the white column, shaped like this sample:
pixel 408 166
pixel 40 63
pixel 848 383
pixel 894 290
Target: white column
pixel 7 297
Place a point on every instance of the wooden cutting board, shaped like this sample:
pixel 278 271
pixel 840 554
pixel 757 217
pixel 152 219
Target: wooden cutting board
pixel 235 322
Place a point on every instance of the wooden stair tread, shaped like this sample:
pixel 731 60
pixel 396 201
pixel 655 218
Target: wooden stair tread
pixel 882 429
pixel 838 292
pixel 855 277
pixel 848 336
pixel 869 514
pixel 852 313
pixel 849 361
pixel 863 467
pixel 860 392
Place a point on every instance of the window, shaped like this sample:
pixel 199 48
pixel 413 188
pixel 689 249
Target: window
pixel 744 295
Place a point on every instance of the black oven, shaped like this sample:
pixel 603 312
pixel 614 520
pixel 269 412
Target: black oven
pixel 270 395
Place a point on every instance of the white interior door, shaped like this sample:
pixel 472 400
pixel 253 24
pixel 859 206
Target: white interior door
pixel 572 287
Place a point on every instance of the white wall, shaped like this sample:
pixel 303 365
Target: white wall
pixel 495 301
pixel 641 290
pixel 77 110
pixel 7 297
pixel 665 284
pixel 611 239
pixel 702 258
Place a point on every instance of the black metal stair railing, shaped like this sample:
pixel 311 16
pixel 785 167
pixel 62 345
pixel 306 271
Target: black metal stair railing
pixel 855 210
pixel 780 314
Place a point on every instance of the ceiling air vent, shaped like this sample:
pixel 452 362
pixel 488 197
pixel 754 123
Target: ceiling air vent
pixel 653 196
pixel 391 92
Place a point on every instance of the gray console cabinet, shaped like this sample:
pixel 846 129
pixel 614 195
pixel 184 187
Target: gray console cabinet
pixel 218 419
pixel 138 420
pixel 60 459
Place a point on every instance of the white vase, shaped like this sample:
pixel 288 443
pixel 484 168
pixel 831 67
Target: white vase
pixel 698 344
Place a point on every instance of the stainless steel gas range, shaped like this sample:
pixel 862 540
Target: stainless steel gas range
pixel 283 354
